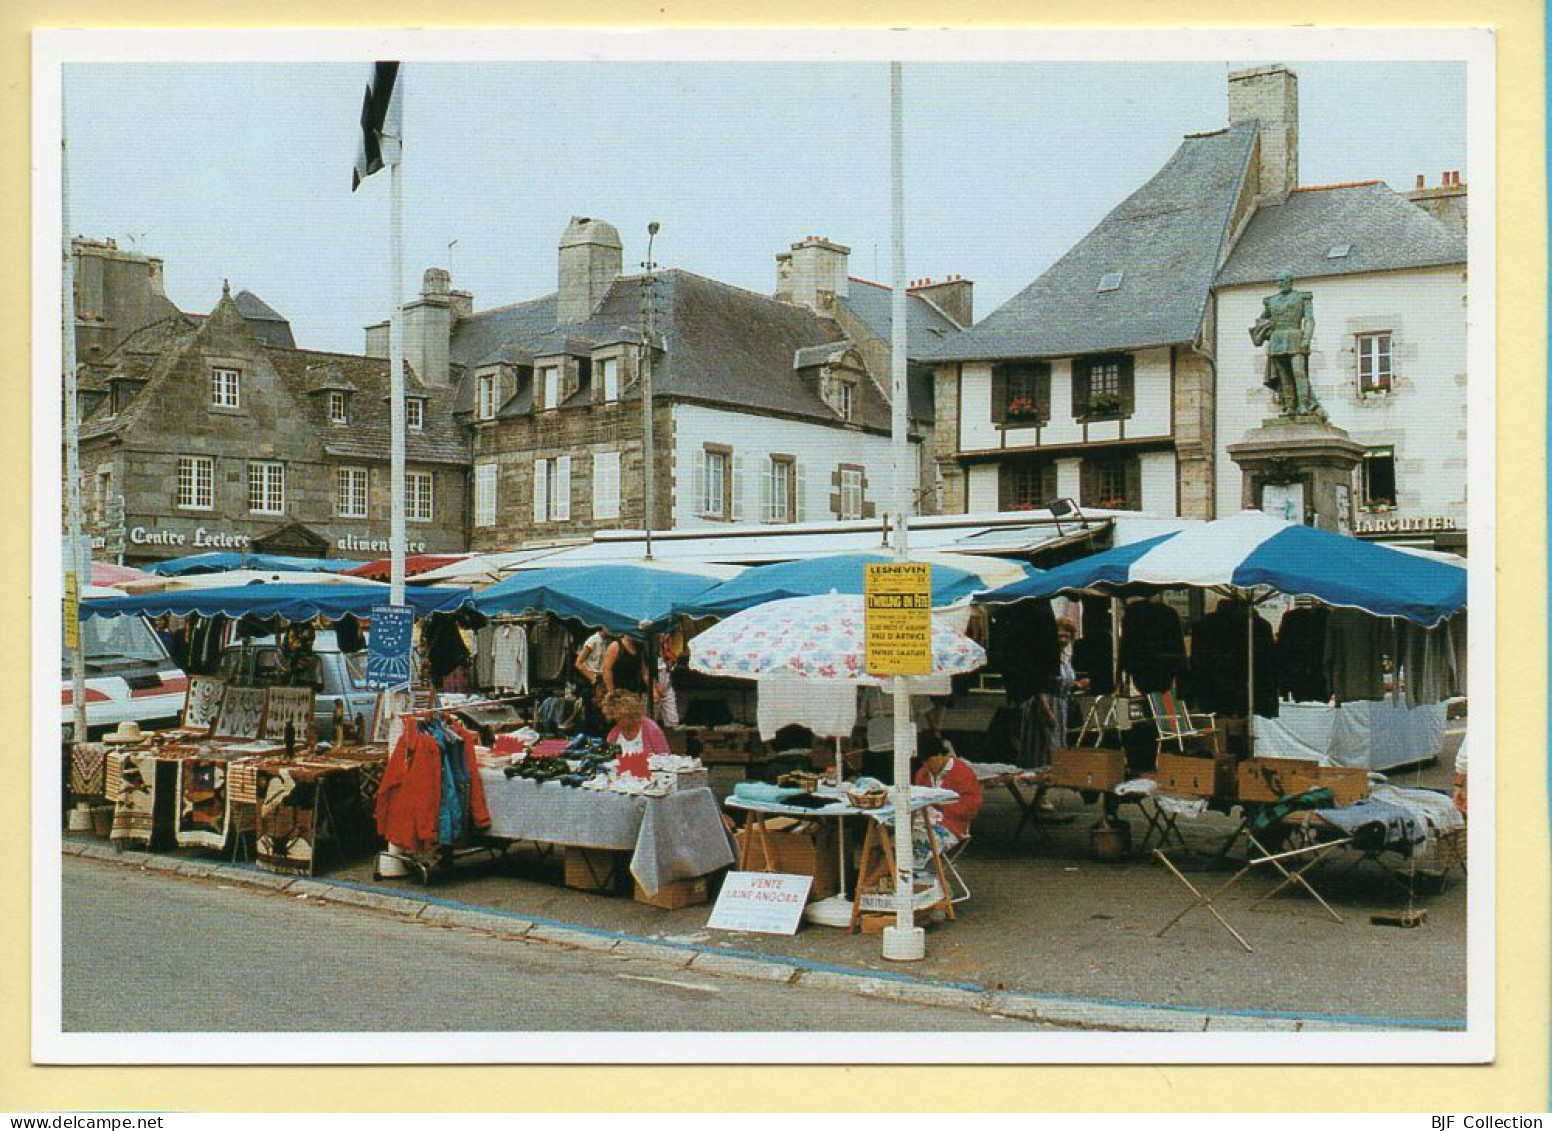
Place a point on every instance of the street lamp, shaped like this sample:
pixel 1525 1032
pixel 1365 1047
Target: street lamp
pixel 648 479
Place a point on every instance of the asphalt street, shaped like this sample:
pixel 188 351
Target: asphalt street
pixel 154 953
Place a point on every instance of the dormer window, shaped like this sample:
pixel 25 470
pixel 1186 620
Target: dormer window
pixel 609 379
pixel 485 396
pixel 549 377
pixel 339 408
pixel 845 398
pixel 225 388
pixel 414 414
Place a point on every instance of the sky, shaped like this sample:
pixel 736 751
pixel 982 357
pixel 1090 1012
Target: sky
pixel 242 171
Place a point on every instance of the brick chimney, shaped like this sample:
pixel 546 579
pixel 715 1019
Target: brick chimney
pixel 954 296
pixel 428 328
pixel 813 274
pixel 1270 96
pixel 590 259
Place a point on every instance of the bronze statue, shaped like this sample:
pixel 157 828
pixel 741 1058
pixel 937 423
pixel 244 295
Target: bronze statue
pixel 1286 327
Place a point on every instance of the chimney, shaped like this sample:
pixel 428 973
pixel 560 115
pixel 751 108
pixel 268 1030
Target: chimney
pixel 954 296
pixel 463 304
pixel 590 258
pixel 813 273
pixel 1270 96
pixel 428 328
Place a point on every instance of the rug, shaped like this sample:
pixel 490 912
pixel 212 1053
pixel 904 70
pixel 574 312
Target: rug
pixel 204 805
pixel 88 769
pixel 135 808
pixel 288 814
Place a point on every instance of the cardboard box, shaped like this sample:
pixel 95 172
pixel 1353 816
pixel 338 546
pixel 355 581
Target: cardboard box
pixel 1083 768
pixel 594 869
pixel 1270 779
pixel 676 894
pixel 1187 775
pixel 797 848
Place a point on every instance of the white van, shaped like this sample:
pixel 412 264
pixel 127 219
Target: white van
pixel 129 678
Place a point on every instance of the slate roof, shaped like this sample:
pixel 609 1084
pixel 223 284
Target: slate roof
pixel 1167 237
pixel 268 325
pixel 1385 231
pixel 927 330
pixel 722 345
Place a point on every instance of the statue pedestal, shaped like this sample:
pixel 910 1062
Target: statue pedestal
pixel 1299 467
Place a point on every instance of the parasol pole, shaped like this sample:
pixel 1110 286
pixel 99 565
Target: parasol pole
pixel 904 941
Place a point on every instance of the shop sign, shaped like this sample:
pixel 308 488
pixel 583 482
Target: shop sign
pixel 203 538
pixel 356 544
pixel 388 647
pixel 1425 525
pixel 770 903
pixel 72 611
pixel 897 604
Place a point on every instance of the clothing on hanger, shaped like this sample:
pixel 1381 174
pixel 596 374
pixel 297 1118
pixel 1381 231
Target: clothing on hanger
pixel 1153 646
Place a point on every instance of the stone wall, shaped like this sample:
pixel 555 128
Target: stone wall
pixel 1194 412
pixel 945 439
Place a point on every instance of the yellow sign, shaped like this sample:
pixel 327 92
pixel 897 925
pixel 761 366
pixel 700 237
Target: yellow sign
pixel 72 612
pixel 897 597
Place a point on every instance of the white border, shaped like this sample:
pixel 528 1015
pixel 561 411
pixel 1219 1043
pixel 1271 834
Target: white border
pixel 53 48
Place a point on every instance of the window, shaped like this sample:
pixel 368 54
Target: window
pixel 852 486
pixel 267 487
pixel 196 483
pixel 1021 393
pixel 225 388
pixel 609 375
pixel 1374 363
pixel 550 376
pixel 414 414
pixel 350 492
pixel 1102 387
pixel 845 396
pixel 1379 479
pixel 485 494
pixel 485 397
pixel 1111 483
pixel 781 490
pixel 104 493
pixel 716 480
pixel 418 487
pixel 1110 281
pixel 552 489
pixel 339 408
pixel 1026 485
pixel 606 486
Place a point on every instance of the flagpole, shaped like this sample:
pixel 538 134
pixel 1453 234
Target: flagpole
pixel 396 535
pixel 905 941
pixel 77 564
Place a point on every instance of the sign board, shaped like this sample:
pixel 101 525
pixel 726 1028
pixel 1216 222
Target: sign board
pixel 897 601
pixel 770 903
pixel 72 611
pixel 1284 501
pixel 388 647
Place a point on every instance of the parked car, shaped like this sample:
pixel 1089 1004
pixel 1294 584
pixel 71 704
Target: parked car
pixel 255 663
pixel 129 678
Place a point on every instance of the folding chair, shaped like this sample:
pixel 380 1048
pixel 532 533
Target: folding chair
pixel 950 861
pixel 1175 722
pixel 1161 823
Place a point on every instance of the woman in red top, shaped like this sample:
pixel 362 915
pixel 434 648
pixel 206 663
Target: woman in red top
pixel 633 732
pixel 940 769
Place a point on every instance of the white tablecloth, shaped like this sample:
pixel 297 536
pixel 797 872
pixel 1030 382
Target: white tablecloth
pixel 1375 735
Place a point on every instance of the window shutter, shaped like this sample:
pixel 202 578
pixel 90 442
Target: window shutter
pixel 563 489
pixel 541 487
pixel 1043 391
pixel 1080 388
pixel 1088 484
pixel 736 512
pixel 799 508
pixel 1134 484
pixel 1128 390
pixel 1004 487
pixel 698 481
pixel 767 502
pixel 606 485
pixel 999 393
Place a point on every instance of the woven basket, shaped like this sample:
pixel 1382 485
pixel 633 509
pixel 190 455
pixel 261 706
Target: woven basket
pixel 868 798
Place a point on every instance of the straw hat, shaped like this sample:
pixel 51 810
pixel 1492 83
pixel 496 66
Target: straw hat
pixel 128 732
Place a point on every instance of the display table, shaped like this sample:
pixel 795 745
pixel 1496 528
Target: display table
pixel 675 837
pixel 1375 735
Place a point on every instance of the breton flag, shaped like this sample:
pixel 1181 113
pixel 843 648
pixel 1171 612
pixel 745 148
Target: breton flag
pixel 381 123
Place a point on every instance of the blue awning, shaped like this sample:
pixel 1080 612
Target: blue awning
pixel 218 560
pixel 290 602
pixel 620 597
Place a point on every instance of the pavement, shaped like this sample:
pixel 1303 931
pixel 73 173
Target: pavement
pixel 1050 934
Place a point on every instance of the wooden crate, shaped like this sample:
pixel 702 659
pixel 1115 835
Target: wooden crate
pixel 594 869
pixel 1083 768
pixel 676 894
pixel 1186 775
pixel 797 848
pixel 1270 779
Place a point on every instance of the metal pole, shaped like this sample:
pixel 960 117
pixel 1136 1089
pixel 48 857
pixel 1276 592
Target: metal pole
pixel 396 534
pixel 905 941
pixel 648 475
pixel 77 562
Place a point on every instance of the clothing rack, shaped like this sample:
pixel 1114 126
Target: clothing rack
pixel 453 708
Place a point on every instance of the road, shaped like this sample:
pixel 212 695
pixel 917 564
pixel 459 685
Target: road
pixel 154 953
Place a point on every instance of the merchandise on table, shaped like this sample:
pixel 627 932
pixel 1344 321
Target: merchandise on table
pixel 204 803
pixel 134 809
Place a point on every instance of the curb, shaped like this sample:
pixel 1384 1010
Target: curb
pixel 1050 1009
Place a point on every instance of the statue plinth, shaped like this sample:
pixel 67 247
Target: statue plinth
pixel 1301 464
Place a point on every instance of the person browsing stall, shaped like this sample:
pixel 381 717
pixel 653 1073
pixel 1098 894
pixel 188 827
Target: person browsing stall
pixel 633 732
pixel 590 658
pixel 625 666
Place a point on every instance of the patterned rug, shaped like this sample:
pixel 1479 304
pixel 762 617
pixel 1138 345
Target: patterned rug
pixel 288 814
pixel 204 805
pixel 88 769
pixel 134 809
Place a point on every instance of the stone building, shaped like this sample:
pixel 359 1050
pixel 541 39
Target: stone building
pixel 218 434
pixel 1122 374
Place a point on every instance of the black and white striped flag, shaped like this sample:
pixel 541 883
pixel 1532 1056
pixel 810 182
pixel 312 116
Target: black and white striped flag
pixel 381 123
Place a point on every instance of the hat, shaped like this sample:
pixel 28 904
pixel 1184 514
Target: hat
pixel 128 732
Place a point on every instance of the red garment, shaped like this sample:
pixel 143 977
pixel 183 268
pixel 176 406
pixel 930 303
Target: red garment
pixel 958 776
pixel 411 792
pixel 653 740
pixel 477 807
